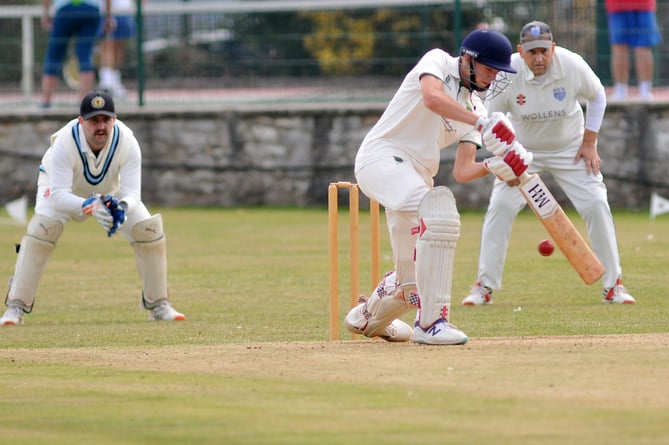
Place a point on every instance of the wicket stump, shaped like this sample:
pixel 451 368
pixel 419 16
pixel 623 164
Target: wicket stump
pixel 354 248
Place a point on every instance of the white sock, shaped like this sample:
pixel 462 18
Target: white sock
pixel 620 91
pixel 116 78
pixel 644 88
pixel 106 76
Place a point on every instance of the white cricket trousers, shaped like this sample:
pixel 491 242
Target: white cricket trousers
pixel 398 186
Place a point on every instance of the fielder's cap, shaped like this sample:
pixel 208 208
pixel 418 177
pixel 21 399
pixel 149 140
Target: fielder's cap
pixel 536 35
pixel 96 103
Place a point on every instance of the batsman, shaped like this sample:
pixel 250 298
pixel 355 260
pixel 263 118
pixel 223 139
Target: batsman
pixel 438 104
pixel 92 169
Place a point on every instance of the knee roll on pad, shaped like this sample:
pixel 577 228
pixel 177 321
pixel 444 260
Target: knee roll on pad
pixel 150 229
pixel 435 252
pixel 46 229
pixel 438 216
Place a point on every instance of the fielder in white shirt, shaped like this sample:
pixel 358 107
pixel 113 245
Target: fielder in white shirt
pixel 437 105
pixel 544 106
pixel 92 168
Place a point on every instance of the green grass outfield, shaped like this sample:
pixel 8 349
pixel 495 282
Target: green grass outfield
pixel 547 363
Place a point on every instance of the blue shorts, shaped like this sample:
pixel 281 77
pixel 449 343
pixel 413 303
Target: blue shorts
pixel 634 28
pixel 125 28
pixel 80 23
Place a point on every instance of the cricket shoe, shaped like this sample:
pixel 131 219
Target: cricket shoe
pixel 618 294
pixel 12 316
pixel 479 295
pixel 396 331
pixel 440 333
pixel 164 311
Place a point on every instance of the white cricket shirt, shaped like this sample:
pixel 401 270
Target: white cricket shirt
pixel 74 172
pixel 546 112
pixel 409 128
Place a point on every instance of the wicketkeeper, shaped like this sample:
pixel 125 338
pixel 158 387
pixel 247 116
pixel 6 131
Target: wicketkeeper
pixel 92 169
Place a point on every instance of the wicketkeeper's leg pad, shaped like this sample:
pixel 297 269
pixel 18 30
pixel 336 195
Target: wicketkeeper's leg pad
pixel 151 257
pixel 435 252
pixel 33 255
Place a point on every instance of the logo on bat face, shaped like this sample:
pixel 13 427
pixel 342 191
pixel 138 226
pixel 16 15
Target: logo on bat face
pixel 541 199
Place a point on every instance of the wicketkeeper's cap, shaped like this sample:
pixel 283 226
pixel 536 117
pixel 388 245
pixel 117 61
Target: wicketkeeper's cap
pixel 536 35
pixel 96 103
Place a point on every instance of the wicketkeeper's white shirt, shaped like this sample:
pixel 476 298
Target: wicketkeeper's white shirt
pixel 70 172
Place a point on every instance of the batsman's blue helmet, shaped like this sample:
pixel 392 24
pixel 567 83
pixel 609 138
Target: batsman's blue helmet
pixel 489 47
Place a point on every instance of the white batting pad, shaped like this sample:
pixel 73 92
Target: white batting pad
pixel 151 256
pixel 387 302
pixel 36 248
pixel 435 252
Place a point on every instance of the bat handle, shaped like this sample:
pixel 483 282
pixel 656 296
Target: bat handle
pixel 524 177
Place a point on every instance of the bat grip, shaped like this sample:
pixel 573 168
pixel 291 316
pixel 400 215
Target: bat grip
pixel 524 177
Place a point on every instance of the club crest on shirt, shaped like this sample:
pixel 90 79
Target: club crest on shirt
pixel 559 93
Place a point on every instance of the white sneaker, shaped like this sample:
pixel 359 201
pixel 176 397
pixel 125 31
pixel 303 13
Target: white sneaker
pixel 619 92
pixel 618 294
pixel 479 295
pixel 617 97
pixel 12 316
pixel 440 333
pixel 164 311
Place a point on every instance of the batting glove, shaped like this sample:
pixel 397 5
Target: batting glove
pixel 117 211
pixel 518 158
pixel 499 168
pixel 497 132
pixel 514 163
pixel 94 207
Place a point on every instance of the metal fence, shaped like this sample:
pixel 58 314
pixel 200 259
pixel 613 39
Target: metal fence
pixel 359 46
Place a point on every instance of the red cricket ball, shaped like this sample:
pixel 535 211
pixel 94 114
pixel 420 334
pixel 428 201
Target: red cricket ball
pixel 546 247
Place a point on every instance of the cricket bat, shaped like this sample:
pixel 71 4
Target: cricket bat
pixel 560 228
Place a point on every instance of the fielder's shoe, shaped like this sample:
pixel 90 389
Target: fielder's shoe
pixel 164 311
pixel 479 295
pixel 618 294
pixel 12 316
pixel 440 333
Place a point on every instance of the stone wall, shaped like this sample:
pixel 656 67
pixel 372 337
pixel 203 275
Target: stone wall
pixel 286 156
